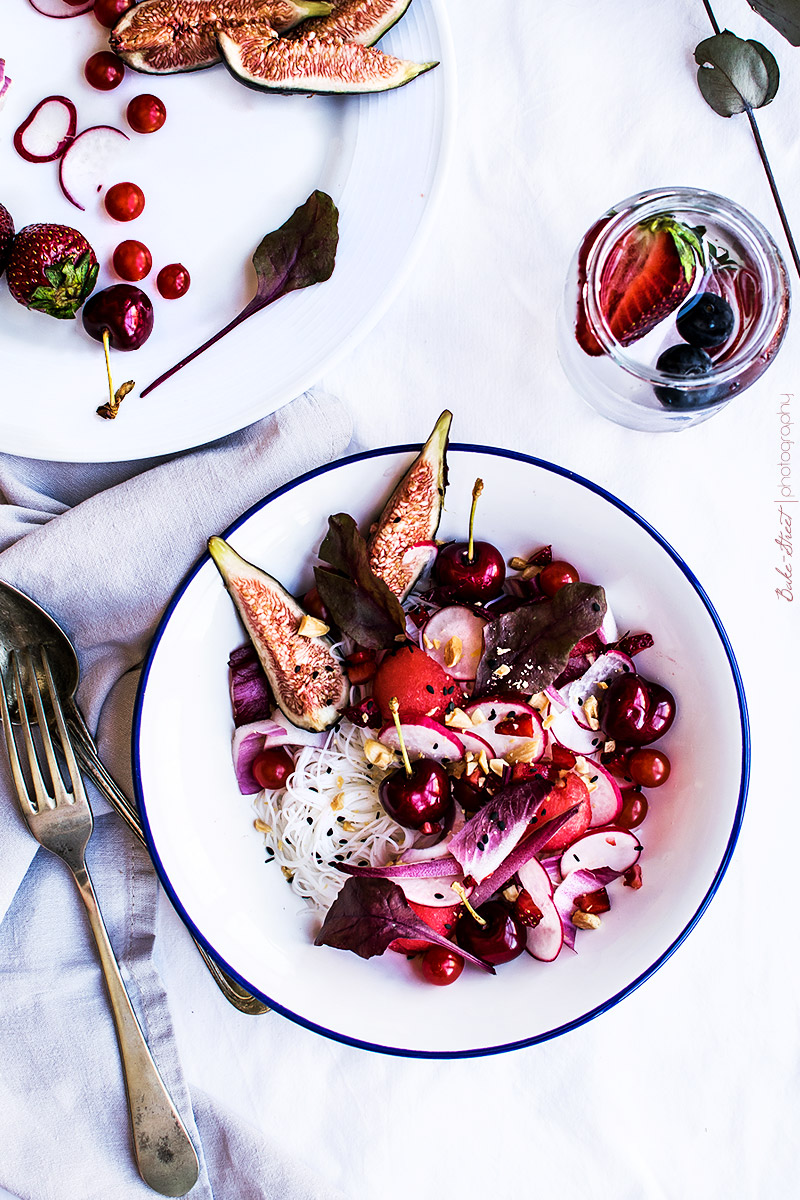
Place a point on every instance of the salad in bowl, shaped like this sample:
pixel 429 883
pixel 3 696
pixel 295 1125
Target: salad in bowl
pixel 533 792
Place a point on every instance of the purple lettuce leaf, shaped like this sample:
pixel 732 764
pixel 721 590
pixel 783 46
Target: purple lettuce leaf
pixel 369 914
pixel 431 868
pixel 490 835
pixel 523 852
pixel 530 646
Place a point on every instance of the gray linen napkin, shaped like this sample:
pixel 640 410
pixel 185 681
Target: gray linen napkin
pixel 102 548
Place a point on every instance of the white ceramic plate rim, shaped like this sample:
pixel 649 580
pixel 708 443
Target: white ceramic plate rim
pixel 363 193
pixel 557 1030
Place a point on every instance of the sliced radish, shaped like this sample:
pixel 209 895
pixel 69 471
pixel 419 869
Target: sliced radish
pixel 491 713
pixel 85 162
pixel 566 730
pixel 436 893
pixel 456 622
pixel 617 849
pixel 47 131
pixel 5 82
pixel 605 796
pixel 475 744
pixel 576 884
pixel 601 672
pixel 61 9
pixel 424 738
pixel 544 941
pixel 608 631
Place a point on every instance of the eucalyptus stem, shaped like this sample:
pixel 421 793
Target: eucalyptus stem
pixel 762 154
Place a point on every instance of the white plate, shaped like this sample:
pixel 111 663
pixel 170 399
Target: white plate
pixel 211 859
pixel 229 165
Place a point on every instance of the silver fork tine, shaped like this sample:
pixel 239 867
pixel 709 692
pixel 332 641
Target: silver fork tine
pixel 43 797
pixel 78 790
pixel 13 755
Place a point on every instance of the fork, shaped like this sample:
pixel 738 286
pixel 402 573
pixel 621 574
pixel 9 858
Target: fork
pixel 62 822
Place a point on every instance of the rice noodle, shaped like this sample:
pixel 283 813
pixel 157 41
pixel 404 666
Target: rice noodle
pixel 330 811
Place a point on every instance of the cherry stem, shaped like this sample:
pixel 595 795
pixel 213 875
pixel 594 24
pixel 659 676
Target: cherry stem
pixel 476 491
pixel 462 895
pixel 111 398
pixel 394 709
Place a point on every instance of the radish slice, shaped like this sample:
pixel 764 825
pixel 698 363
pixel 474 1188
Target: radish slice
pixel 491 713
pixel 617 849
pixel 474 743
pixel 47 130
pixel 5 82
pixel 543 941
pixel 456 621
pixel 83 165
pixel 566 730
pixel 602 671
pixel 605 796
pixel 61 9
pixel 424 738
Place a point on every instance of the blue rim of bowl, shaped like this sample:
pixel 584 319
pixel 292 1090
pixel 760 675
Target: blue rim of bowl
pixel 479 1051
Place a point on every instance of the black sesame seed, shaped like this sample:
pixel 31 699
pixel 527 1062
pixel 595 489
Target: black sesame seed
pixel 309 820
pixel 330 833
pixel 329 770
pixel 362 862
pixel 595 608
pixel 576 857
pixel 594 778
pixel 435 745
pixel 501 825
pixel 430 688
pixel 480 845
pixel 494 815
pixel 338 858
pixel 493 715
pixel 438 895
pixel 340 819
pixel 297 670
pixel 314 674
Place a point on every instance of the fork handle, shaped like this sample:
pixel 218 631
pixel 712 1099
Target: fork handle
pixel 164 1153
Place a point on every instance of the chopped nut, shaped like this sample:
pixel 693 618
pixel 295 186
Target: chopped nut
pixel 436 643
pixel 610 746
pixel 530 572
pixel 502 671
pixel 399 637
pixel 458 719
pixel 453 651
pixel 483 762
pixel 517 564
pixel 584 920
pixel 426 641
pixel 262 826
pixel 310 627
pixel 376 753
pixel 511 892
pixel 288 874
pixel 586 770
pixel 503 650
pixel 540 701
pixel 478 717
pixel 601 683
pixel 338 801
pixel 590 712
pixel 527 752
pixel 548 721
pixel 497 765
pixel 349 827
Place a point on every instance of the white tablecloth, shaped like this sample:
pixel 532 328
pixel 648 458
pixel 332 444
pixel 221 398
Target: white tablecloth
pixel 689 1086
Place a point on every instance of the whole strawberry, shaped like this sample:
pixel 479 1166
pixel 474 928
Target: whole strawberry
pixel 52 269
pixel 6 236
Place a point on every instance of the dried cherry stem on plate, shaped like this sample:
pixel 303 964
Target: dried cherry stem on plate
pixel 109 410
pixel 394 709
pixel 476 492
pixel 462 895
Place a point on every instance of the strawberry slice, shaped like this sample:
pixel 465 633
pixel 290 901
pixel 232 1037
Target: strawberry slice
pixel 647 276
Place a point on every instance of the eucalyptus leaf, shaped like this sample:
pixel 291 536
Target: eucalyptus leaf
pixel 735 75
pixel 783 15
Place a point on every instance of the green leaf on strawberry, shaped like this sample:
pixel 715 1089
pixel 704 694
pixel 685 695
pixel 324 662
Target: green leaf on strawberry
pixel 70 284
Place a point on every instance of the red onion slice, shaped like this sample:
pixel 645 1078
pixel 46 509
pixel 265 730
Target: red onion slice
pixel 47 131
pixel 61 9
pixel 576 884
pixel 5 82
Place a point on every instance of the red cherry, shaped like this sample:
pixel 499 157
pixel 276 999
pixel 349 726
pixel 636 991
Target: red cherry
pixel 146 114
pixel 108 12
pixel 419 798
pixel 634 809
pixel 499 940
pixel 440 966
pixel 460 577
pixel 132 261
pixel 272 767
pixel 122 311
pixel 104 71
pixel 173 281
pixel 634 709
pixel 649 768
pixel 555 575
pixel 124 202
